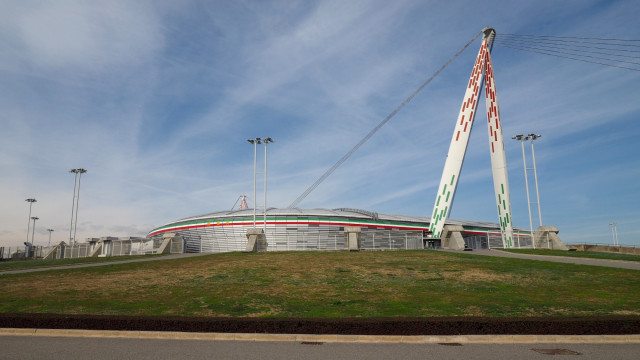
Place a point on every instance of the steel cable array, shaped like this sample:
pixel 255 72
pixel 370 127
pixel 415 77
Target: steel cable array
pixel 372 132
pixel 618 53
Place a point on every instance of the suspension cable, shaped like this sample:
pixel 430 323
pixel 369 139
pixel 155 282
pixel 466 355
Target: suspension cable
pixel 610 52
pixel 566 52
pixel 577 48
pixel 575 39
pixel 372 132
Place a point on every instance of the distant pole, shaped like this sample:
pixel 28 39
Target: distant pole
pixel 50 231
pixel 75 227
pixel 614 233
pixel 33 231
pixel 535 173
pixel 255 143
pixel 522 138
pixel 266 141
pixel 31 201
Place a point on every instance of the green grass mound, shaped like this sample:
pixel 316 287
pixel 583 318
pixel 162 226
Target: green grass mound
pixel 328 285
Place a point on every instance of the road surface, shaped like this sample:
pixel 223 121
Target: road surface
pixel 41 348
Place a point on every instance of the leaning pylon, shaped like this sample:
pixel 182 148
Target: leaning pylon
pixel 460 140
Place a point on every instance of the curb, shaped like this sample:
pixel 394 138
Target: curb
pixel 371 339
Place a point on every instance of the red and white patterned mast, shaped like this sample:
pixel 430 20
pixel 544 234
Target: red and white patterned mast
pixel 460 140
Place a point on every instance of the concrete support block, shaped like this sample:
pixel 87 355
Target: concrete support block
pixel 55 252
pixel 353 237
pixel 96 250
pixel 106 245
pixel 167 239
pixel 452 237
pixel 546 237
pixel 256 240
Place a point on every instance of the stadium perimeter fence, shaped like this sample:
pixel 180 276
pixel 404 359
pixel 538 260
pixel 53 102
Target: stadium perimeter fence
pixel 128 247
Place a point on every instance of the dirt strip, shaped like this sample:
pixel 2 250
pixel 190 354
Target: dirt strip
pixel 622 325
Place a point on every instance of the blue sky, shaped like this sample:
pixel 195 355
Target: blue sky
pixel 157 99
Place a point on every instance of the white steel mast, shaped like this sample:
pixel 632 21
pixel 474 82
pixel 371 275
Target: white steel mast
pixel 498 157
pixel 460 140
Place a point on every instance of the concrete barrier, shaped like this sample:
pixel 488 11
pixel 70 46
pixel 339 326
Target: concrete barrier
pixel 605 248
pixel 452 237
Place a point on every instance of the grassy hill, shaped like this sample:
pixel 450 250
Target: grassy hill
pixel 328 285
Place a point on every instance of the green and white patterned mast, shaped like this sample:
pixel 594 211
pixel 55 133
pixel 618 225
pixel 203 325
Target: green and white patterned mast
pixel 460 140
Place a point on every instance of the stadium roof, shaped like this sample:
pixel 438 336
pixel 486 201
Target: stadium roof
pixel 339 212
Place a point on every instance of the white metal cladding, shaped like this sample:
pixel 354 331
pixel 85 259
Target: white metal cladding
pixel 299 237
pixel 296 229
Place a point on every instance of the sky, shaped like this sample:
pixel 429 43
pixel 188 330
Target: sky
pixel 156 99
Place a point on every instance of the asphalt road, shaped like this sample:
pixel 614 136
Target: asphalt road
pixel 30 347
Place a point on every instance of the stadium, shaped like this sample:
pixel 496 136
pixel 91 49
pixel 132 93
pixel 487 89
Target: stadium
pixel 344 228
pixel 321 229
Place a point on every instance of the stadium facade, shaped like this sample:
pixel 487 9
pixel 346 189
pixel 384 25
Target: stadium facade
pixel 318 229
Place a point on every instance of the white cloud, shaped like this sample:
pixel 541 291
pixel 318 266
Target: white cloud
pixel 86 36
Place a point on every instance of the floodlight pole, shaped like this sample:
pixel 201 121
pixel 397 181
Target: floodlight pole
pixel 31 201
pixel 75 227
pixel 255 143
pixel 33 231
pixel 522 138
pixel 266 141
pixel 50 231
pixel 614 233
pixel 73 203
pixel 535 173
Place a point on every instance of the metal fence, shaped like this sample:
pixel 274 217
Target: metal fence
pixel 119 247
pixel 494 241
pixel 23 252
